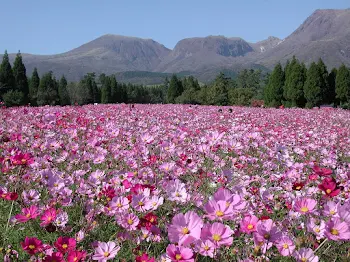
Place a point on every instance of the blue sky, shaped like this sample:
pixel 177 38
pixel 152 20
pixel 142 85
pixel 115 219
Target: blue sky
pixel 48 27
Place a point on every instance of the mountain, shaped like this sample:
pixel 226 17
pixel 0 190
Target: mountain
pixel 325 34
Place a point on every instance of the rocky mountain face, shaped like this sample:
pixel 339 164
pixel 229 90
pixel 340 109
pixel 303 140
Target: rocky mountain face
pixel 325 34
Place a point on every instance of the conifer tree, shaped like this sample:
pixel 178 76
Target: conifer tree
pixel 175 89
pixel 294 84
pixel 342 85
pixel 218 92
pixel 273 91
pixel 20 76
pixel 7 80
pixel 63 92
pixel 312 87
pixel 48 90
pixel 33 87
pixel 324 81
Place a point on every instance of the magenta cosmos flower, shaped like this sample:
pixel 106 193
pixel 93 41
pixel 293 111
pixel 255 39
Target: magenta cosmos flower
pixel 105 251
pixel 218 233
pixel 337 230
pixel 31 212
pixel 32 245
pixel 179 254
pixel 304 205
pixel 185 228
pixel 218 210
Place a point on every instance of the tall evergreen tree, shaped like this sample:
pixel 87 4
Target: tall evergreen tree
pixel 218 92
pixel 324 85
pixel 63 92
pixel 175 89
pixel 294 83
pixel 33 87
pixel 342 85
pixel 273 91
pixel 106 91
pixel 312 88
pixel 7 80
pixel 115 94
pixel 331 90
pixel 48 90
pixel 20 75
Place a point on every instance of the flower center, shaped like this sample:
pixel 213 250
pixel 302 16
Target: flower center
pixel 119 205
pixel 267 236
pixel 130 221
pixel 304 259
pixel 250 226
pixel 64 246
pixel 31 246
pixel 141 203
pixel 216 237
pixel 328 191
pixel 317 230
pixel 206 248
pixel 106 254
pixel 332 212
pixel 219 213
pixel 178 256
pixel 285 246
pixel 28 215
pixel 298 188
pixel 304 209
pixel 75 259
pixel 334 232
pixel 185 231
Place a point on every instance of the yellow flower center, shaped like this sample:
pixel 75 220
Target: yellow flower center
pixel 64 246
pixel 75 259
pixel 206 248
pixel 267 236
pixel 185 231
pixel 219 213
pixel 250 226
pixel 285 246
pixel 328 191
pixel 130 221
pixel 28 215
pixel 119 205
pixel 106 254
pixel 178 256
pixel 31 246
pixel 304 209
pixel 298 188
pixel 332 212
pixel 334 232
pixel 317 230
pixel 141 203
pixel 304 259
pixel 216 237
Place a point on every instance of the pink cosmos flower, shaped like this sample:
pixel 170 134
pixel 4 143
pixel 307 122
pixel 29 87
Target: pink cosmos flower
pixel 337 230
pixel 185 228
pixel 305 255
pixel 128 221
pixel 218 233
pixel 54 257
pixel 285 246
pixel 65 244
pixel 205 248
pixel 119 204
pixel 331 209
pixel 27 213
pixel 76 256
pixel 304 205
pixel 233 200
pixel 218 210
pixel 105 251
pixel 48 217
pixel 32 245
pixel 31 196
pixel 141 203
pixel 317 228
pixel 177 191
pixel 266 234
pixel 248 224
pixel 179 253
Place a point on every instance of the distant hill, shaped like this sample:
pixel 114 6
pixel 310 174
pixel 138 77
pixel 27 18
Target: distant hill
pixel 325 34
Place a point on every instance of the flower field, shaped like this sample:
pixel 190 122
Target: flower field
pixel 174 183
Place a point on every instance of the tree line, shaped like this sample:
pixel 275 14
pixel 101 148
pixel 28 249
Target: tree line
pixel 291 86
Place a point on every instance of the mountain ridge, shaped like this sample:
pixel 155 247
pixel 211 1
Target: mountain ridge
pixel 324 34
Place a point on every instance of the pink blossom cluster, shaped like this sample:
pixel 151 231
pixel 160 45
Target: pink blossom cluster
pixel 173 183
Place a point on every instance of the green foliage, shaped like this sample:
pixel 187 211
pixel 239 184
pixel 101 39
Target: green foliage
pixel 106 90
pixel 175 89
pixel 48 90
pixel 7 80
pixel 63 92
pixel 342 85
pixel 20 75
pixel 14 98
pixel 273 91
pixel 33 87
pixel 324 85
pixel 241 96
pixel 218 92
pixel 312 87
pixel 295 77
